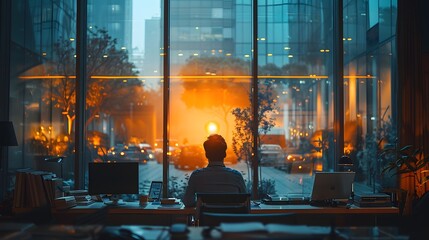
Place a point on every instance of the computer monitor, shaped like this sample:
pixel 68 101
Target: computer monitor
pixel 113 179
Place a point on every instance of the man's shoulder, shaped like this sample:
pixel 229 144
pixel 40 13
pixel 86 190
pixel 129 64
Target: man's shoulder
pixel 197 171
pixel 232 171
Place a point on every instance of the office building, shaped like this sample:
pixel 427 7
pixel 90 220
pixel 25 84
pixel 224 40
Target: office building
pixel 326 78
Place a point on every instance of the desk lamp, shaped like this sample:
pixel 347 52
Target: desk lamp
pixel 7 138
pixel 57 159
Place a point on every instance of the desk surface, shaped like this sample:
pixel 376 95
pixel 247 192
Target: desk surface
pixel 165 215
pixel 156 208
pixel 308 209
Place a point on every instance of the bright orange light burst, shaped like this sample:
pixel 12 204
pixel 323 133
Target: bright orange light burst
pixel 212 128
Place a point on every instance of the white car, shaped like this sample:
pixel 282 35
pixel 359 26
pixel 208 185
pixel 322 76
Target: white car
pixel 271 155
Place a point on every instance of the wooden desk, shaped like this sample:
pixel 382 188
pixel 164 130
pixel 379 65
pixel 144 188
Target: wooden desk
pixel 308 209
pixel 129 213
pixel 156 214
pixel 338 216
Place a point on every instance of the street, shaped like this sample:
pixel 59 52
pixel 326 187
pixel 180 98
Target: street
pixel 284 183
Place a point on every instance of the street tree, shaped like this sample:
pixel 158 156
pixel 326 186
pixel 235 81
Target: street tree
pixel 242 135
pixel 105 88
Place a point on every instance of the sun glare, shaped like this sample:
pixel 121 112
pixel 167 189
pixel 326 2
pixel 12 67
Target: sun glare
pixel 212 128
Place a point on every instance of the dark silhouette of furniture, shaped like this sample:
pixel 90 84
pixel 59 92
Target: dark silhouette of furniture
pixel 215 219
pixel 234 203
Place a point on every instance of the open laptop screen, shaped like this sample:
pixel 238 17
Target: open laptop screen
pixel 155 191
pixel 332 185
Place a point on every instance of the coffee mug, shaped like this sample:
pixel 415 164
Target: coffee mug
pixel 143 200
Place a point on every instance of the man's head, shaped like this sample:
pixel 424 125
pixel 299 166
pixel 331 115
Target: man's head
pixel 215 147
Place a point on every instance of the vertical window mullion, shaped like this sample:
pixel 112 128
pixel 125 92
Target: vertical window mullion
pixel 338 77
pixel 166 95
pixel 81 77
pixel 254 92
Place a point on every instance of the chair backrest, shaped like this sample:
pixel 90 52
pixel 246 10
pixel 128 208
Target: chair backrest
pixel 222 203
pixel 215 219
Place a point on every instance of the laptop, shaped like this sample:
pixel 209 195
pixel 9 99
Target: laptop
pixel 331 186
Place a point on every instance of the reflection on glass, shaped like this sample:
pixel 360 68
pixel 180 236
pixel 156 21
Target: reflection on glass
pixel 124 89
pixel 368 116
pixel 295 57
pixel 210 87
pixel 42 93
pixel 210 78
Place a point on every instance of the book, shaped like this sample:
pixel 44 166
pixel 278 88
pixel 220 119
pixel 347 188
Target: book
pixel 372 200
pixel 78 192
pixel 65 202
pixel 371 197
pixel 32 189
pixel 20 186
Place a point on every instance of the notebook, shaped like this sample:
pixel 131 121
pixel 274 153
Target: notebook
pixel 289 198
pixel 330 186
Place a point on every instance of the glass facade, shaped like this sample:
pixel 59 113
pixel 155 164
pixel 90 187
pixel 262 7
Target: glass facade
pixel 210 88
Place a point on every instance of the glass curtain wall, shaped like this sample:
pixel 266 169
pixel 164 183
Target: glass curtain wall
pixel 210 83
pixel 369 103
pixel 210 87
pixel 295 65
pixel 42 92
pixel 124 89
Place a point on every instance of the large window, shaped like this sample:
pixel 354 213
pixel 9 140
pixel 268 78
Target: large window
pixel 43 85
pixel 133 106
pixel 368 88
pixel 124 88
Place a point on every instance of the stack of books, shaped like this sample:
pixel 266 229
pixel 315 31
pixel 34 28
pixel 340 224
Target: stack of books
pixel 82 197
pixel 64 202
pixel 372 200
pixel 36 189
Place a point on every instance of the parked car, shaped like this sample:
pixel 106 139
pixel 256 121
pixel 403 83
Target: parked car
pixel 149 150
pixel 128 153
pixel 191 157
pixel 113 154
pixel 173 154
pixel 271 155
pixel 298 163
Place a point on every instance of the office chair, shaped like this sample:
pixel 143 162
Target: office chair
pixel 215 219
pixel 221 203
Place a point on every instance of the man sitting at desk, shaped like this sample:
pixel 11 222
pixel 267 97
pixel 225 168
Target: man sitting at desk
pixel 215 178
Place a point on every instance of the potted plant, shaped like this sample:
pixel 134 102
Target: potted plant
pixel 407 161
